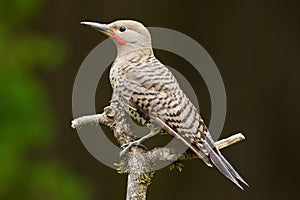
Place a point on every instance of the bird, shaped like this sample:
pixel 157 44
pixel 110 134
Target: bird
pixel 150 94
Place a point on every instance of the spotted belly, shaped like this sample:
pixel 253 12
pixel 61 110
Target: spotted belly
pixel 143 120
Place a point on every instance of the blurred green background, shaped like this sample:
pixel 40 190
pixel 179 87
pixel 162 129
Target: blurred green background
pixel 255 45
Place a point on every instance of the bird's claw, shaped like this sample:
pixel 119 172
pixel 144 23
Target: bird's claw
pixel 126 147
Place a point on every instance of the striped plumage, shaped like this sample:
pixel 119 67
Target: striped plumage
pixel 149 92
pixel 143 80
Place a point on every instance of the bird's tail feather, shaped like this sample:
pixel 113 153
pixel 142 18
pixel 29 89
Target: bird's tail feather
pixel 224 166
pixel 232 170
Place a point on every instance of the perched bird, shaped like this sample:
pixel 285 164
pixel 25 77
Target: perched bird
pixel 150 94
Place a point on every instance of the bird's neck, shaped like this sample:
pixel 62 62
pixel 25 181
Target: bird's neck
pixel 129 53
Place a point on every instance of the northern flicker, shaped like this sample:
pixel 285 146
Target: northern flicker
pixel 151 95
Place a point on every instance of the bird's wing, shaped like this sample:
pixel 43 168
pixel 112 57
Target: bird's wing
pixel 160 123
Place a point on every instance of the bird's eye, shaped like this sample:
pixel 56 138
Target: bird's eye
pixel 122 28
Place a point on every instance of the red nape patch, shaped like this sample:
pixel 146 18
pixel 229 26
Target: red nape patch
pixel 120 40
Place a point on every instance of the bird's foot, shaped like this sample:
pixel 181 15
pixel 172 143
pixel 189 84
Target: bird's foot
pixel 126 147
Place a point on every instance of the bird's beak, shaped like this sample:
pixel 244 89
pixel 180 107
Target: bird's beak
pixel 97 26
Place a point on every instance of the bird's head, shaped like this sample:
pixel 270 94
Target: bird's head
pixel 128 35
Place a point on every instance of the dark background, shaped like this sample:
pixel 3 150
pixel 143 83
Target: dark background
pixel 255 45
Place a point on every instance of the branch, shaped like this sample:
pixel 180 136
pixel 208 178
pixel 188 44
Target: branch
pixel 105 118
pixel 220 144
pixel 138 163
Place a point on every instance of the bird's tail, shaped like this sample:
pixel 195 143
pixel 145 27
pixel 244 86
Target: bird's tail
pixel 223 165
